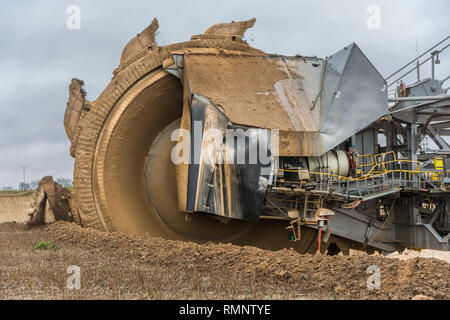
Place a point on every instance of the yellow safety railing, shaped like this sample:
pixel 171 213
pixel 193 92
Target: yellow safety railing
pixel 370 160
pixel 364 160
pixel 379 168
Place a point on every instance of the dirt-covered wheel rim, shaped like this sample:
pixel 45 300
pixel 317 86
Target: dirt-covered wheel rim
pixel 134 177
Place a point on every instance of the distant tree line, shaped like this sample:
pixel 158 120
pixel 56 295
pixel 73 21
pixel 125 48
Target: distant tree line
pixel 67 183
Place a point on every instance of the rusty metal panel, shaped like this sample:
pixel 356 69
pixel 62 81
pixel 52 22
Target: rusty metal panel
pixel 316 104
pixel 217 185
pixel 293 144
pixel 269 92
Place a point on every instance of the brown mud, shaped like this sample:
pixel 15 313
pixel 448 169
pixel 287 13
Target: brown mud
pixel 118 266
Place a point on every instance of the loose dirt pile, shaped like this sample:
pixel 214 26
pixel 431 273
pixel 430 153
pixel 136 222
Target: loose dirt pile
pixel 411 254
pixel 117 266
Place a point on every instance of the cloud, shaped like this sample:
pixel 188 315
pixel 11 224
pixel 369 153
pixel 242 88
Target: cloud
pixel 40 55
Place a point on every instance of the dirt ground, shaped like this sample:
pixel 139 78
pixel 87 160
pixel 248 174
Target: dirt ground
pixel 117 266
pixel 15 206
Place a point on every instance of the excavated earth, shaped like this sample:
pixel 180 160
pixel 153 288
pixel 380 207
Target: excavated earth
pixel 117 266
pixel 15 207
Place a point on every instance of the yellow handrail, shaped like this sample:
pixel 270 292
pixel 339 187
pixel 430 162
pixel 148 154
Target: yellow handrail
pixel 373 173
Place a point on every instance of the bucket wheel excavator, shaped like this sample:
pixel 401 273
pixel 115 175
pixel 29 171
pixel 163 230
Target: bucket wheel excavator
pixel 213 140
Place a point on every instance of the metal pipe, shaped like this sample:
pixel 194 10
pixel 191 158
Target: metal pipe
pixel 418 70
pixel 417 67
pixel 432 65
pixel 442 82
pixel 408 64
pixel 424 104
pixel 404 75
pixel 419 98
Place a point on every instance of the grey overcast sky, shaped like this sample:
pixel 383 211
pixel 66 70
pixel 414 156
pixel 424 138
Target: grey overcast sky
pixel 39 55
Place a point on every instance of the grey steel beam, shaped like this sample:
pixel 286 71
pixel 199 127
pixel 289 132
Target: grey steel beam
pixel 441 125
pixel 424 98
pixel 444 132
pixel 436 137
